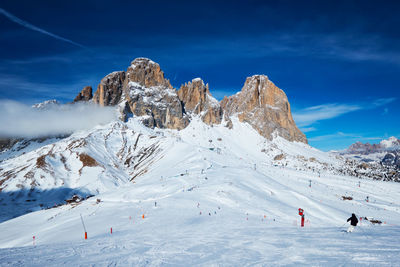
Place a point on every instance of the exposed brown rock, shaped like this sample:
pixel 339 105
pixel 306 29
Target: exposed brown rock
pixel 109 91
pixel 84 95
pixel 279 157
pixel 159 106
pixel 148 94
pixel 197 99
pixel 264 106
pixel 147 73
pixel 87 161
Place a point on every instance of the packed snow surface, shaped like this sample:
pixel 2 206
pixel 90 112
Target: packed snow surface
pixel 212 196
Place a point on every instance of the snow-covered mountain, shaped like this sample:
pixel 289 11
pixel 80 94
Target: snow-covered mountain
pixel 386 154
pixel 385 145
pixel 194 179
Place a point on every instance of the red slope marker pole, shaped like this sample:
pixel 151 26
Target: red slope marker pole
pixel 84 228
pixel 111 230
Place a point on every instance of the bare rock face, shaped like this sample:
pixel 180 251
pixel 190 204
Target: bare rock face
pixel 109 91
pixel 264 106
pixel 159 106
pixel 143 91
pixel 147 73
pixel 152 97
pixel 85 95
pixel 197 99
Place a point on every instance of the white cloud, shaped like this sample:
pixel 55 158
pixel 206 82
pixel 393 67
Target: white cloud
pixel 21 120
pixel 343 136
pixel 310 115
pixel 34 28
pixel 383 101
pixel 307 129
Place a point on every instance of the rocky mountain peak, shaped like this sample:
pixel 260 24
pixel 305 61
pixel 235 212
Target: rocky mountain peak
pixel 197 99
pixel 84 95
pixel 147 73
pixel 143 91
pixel 264 106
pixel 46 104
pixel 109 91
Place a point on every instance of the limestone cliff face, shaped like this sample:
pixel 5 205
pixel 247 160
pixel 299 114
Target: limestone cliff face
pixel 84 95
pixel 109 91
pixel 197 99
pixel 151 96
pixel 147 73
pixel 264 106
pixel 142 90
pixel 159 106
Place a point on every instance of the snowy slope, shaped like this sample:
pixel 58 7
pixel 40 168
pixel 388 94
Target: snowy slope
pixel 204 195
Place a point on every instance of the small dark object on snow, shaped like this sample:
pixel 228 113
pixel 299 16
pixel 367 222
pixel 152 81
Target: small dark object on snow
pixel 353 220
pixel 74 199
pixel 98 201
pixel 372 220
pixel 375 221
pixel 347 198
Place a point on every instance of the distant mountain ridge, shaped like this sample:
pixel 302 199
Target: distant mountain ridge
pixel 385 153
pixel 386 145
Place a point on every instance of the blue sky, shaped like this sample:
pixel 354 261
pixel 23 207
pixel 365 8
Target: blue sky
pixel 337 61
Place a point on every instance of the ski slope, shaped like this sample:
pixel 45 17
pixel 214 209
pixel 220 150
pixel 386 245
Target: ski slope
pixel 209 196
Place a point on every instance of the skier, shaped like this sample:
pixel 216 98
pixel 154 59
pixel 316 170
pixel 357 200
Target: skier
pixel 353 223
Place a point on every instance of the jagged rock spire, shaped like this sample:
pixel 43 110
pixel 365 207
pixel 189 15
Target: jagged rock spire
pixel 144 91
pixel 197 99
pixel 264 106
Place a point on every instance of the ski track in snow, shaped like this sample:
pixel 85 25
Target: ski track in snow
pixel 228 205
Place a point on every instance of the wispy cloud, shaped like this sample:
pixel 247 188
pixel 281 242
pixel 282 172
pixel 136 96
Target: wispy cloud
pixel 310 115
pixel 35 28
pixel 22 120
pixel 305 118
pixel 383 101
pixel 345 136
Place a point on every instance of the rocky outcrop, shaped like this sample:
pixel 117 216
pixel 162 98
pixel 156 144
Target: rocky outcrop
pixel 159 106
pixel 109 91
pixel 144 91
pixel 392 159
pixel 147 73
pixel 152 97
pixel 84 95
pixel 46 105
pixel 264 106
pixel 197 99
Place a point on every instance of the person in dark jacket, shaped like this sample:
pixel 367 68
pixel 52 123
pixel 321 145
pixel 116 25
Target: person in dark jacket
pixel 353 222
